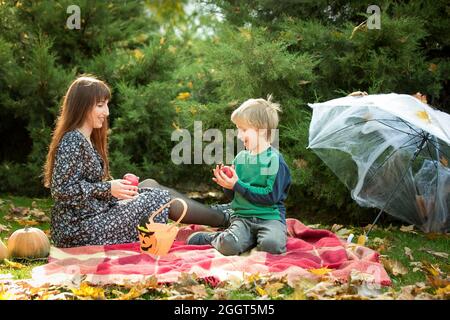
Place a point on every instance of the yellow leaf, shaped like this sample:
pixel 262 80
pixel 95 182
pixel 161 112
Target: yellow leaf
pixel 138 54
pixel 253 277
pixel 361 27
pixel 183 96
pixel 190 85
pixel 431 268
pixel 14 265
pixel 320 271
pixel 175 126
pixel 172 49
pixel 298 294
pixel 443 291
pixel 162 40
pixel 86 290
pixel 423 115
pixel 27 223
pixel 261 291
pixel 362 240
pixel 246 34
pixel 5 295
pixel 432 67
pixel 273 288
pixel 132 294
pixel 394 266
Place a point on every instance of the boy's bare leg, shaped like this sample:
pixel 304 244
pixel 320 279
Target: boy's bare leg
pixel 197 212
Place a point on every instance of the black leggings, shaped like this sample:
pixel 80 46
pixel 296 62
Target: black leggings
pixel 197 213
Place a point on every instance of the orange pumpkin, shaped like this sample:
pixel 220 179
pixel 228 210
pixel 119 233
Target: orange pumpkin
pixel 3 251
pixel 28 243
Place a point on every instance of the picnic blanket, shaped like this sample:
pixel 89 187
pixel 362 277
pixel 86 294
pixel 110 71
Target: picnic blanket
pixel 307 249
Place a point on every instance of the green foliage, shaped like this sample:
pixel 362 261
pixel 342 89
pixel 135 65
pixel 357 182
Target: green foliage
pixel 168 69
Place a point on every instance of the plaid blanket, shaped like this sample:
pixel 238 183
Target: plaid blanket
pixel 118 264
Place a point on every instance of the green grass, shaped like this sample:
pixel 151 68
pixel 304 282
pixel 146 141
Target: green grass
pixel 395 239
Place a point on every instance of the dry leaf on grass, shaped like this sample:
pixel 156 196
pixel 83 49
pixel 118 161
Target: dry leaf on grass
pixel 320 271
pixel 443 255
pixel 87 291
pixel 409 229
pixel 408 253
pixel 444 292
pixel 12 264
pixel 394 266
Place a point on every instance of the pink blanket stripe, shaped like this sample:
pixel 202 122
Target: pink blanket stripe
pixel 118 264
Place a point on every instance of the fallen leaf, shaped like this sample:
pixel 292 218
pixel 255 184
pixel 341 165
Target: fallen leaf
pixel 445 292
pixel 336 227
pixel 344 232
pixel 438 282
pixel 379 244
pixel 394 266
pixel 408 253
pixel 320 271
pixel 14 265
pixel 182 297
pixel 431 269
pixel 417 266
pixel 220 294
pixel 261 291
pixel 27 222
pixel 362 240
pixel 135 292
pixel 408 229
pixel 435 253
pixel 199 291
pixel 85 290
pixel 423 115
pixel 273 288
pixel 421 97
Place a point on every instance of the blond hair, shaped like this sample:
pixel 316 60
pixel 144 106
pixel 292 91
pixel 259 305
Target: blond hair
pixel 258 113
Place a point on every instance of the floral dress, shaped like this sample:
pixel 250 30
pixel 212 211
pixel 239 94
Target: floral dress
pixel 85 212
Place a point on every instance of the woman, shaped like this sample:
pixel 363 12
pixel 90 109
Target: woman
pixel 87 208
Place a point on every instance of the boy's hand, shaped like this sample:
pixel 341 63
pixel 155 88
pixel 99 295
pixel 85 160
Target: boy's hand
pixel 222 179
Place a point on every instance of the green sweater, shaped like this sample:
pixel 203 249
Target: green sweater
pixel 263 185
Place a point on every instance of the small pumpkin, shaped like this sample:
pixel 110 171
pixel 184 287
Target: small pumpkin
pixel 3 251
pixel 28 243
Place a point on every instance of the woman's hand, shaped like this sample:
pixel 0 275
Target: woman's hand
pixel 222 179
pixel 122 189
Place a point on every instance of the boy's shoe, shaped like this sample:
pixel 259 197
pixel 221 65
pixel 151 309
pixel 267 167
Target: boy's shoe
pixel 200 238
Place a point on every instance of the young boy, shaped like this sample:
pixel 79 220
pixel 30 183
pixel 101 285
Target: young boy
pixel 258 187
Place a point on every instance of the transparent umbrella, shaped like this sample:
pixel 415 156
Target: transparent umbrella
pixel 392 153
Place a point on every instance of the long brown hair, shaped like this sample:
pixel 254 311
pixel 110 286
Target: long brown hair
pixel 81 97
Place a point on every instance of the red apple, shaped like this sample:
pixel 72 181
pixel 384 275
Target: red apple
pixel 227 171
pixel 132 178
